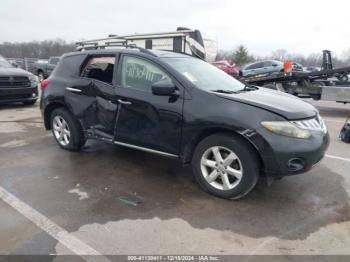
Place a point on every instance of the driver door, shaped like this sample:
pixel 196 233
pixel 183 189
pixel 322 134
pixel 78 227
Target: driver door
pixel 146 120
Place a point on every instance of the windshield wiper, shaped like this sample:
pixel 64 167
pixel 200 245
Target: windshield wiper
pixel 250 88
pixel 224 91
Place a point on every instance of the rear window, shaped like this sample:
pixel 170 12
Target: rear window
pixel 69 65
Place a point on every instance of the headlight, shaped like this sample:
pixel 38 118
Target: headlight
pixel 286 128
pixel 33 80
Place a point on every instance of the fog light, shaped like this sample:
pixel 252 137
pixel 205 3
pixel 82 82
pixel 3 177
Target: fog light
pixel 33 95
pixel 296 164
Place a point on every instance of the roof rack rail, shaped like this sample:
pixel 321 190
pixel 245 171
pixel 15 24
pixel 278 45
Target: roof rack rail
pixel 96 45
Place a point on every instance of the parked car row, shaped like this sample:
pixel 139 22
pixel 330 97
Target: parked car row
pixel 40 67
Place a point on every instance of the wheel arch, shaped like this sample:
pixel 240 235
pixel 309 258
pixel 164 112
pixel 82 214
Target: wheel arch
pixel 188 149
pixel 48 111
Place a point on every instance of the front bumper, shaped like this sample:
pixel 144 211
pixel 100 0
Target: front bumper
pixel 283 156
pixel 12 95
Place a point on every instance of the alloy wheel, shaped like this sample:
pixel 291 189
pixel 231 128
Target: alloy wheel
pixel 61 130
pixel 221 168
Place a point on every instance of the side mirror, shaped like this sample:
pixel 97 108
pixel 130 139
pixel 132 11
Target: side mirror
pixel 274 65
pixel 164 88
pixel 14 64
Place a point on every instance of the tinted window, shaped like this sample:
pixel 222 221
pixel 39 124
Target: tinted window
pixel 249 67
pixel 259 65
pixel 254 66
pixel 141 74
pixel 100 68
pixel 267 63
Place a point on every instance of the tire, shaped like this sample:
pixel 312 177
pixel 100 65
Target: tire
pixel 69 135
pixel 246 163
pixel 29 103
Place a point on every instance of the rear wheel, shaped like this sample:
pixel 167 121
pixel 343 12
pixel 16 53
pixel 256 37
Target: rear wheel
pixel 225 166
pixel 66 130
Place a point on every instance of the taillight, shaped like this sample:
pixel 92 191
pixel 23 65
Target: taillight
pixel 44 84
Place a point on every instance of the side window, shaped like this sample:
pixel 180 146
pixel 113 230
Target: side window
pixel 259 65
pixel 267 63
pixel 100 68
pixel 254 66
pixel 140 74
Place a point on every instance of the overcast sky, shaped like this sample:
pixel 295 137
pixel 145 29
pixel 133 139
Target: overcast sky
pixel 300 26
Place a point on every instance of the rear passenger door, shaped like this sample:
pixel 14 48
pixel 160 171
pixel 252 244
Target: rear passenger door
pixel 93 98
pixel 146 120
pixel 268 67
pixel 259 68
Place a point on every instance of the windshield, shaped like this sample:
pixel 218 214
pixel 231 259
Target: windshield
pixel 4 62
pixel 204 75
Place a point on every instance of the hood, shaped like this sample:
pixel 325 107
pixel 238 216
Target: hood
pixel 13 71
pixel 288 106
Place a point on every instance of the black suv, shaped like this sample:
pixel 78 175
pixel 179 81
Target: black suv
pixel 16 84
pixel 182 107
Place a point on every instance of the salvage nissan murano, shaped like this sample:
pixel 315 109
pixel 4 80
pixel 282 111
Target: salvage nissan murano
pixel 181 107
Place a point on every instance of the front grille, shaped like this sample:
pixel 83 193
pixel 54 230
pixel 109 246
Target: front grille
pixel 15 96
pixel 14 81
pixel 315 123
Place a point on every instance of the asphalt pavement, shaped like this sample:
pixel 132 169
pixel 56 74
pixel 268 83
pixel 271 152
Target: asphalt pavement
pixel 107 200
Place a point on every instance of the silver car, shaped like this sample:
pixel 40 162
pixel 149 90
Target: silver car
pixel 263 67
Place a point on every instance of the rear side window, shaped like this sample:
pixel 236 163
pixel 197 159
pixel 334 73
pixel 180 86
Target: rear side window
pixel 140 74
pixel 100 68
pixel 254 66
pixel 267 63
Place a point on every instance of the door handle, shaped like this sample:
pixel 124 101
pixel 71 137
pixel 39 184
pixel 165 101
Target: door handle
pixel 73 90
pixel 124 102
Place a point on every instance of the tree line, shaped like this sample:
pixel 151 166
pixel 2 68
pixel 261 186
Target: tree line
pixel 36 49
pixel 241 56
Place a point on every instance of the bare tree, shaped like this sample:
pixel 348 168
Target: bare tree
pixel 36 49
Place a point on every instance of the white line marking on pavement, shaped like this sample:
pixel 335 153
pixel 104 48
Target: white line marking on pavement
pixel 339 158
pixel 54 230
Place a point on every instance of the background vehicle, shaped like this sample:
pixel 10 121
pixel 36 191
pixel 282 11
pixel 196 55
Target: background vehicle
pixel 330 84
pixel 183 40
pixel 26 63
pixel 263 67
pixel 297 67
pixel 225 66
pixel 312 68
pixel 44 69
pixel 181 107
pixel 16 84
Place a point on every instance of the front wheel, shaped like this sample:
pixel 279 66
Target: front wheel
pixel 225 166
pixel 66 130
